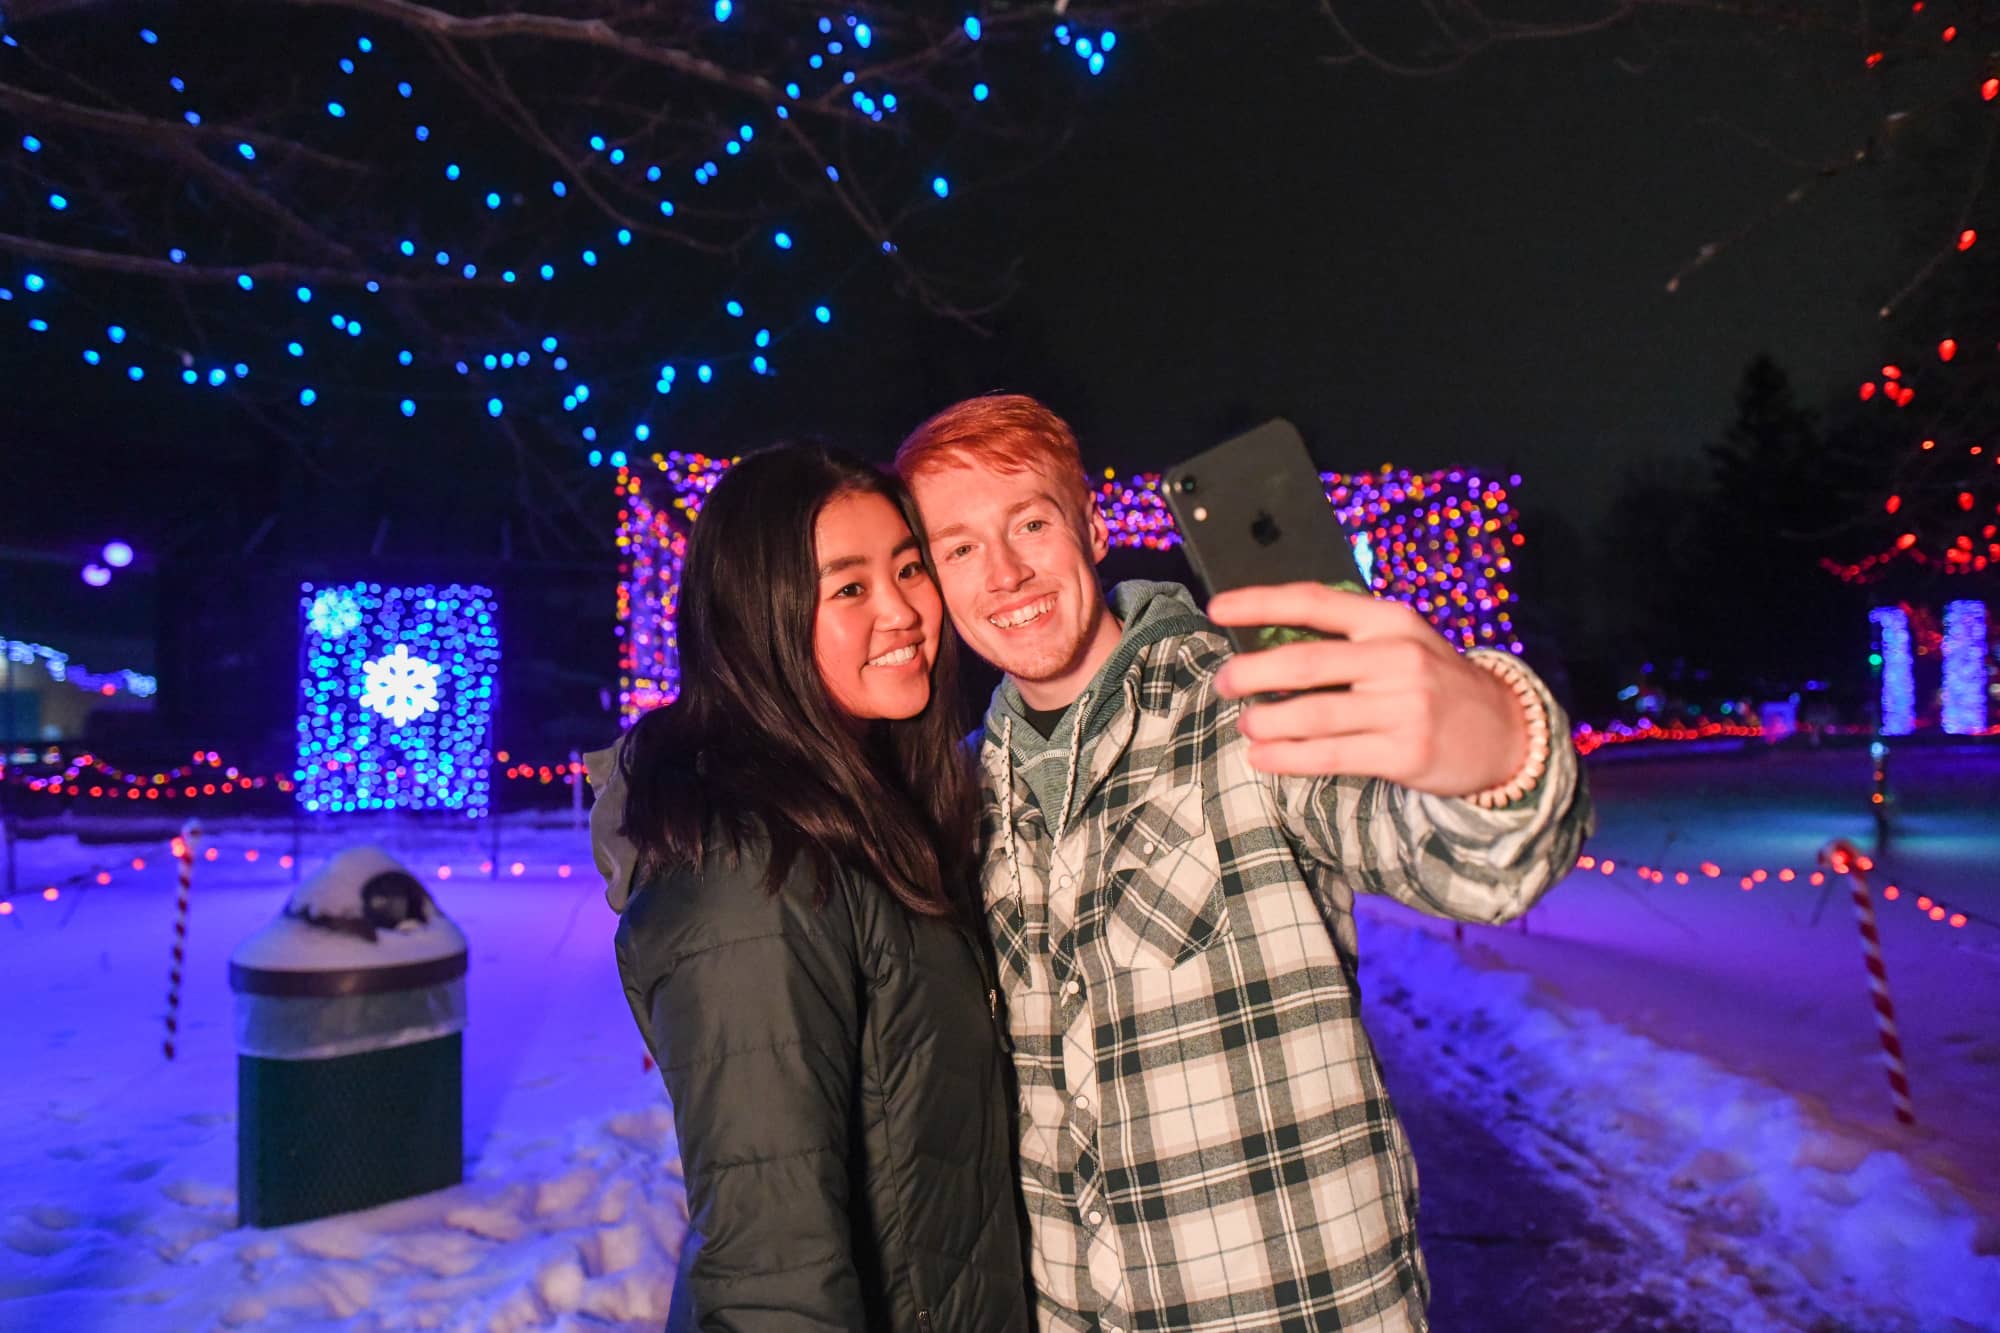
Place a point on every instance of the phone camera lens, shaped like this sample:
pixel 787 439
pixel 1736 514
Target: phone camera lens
pixel 1184 485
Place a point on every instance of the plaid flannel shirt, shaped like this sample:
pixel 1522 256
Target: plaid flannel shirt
pixel 1206 1142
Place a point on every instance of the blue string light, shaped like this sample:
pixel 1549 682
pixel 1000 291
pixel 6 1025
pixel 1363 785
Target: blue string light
pixel 1899 690
pixel 837 47
pixel 1965 654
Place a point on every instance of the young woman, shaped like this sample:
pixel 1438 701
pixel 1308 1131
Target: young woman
pixel 798 946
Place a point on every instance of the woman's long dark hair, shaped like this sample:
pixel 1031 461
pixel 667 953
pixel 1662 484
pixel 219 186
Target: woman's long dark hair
pixel 754 742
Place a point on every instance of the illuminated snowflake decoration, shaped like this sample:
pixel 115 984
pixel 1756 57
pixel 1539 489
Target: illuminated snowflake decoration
pixel 397 687
pixel 334 613
pixel 400 687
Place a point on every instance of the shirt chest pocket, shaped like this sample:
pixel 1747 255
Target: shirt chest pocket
pixel 1163 881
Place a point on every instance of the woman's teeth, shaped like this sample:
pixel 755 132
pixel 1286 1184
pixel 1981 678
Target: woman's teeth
pixel 896 658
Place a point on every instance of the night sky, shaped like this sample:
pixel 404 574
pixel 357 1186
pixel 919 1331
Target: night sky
pixel 1469 268
pixel 1423 271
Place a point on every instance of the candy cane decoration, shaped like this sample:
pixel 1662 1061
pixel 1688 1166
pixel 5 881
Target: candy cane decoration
pixel 1841 856
pixel 183 848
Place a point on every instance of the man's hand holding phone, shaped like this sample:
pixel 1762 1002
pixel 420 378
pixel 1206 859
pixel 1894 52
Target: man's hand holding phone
pixel 1414 712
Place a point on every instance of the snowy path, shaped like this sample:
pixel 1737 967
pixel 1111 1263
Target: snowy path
pixel 1618 1183
pixel 1511 1246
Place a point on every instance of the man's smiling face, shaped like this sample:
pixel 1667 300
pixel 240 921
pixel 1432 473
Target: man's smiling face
pixel 1019 575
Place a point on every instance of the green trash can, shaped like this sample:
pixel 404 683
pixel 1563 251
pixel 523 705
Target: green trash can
pixel 350 1013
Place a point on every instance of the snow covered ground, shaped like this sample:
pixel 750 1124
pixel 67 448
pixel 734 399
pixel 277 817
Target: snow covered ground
pixel 120 1207
pixel 1703 1060
pixel 1694 1066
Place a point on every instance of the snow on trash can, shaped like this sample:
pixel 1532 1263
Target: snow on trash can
pixel 350 1012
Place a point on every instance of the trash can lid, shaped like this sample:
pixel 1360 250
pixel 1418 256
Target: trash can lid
pixel 362 925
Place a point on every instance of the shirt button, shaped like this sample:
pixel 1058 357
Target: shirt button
pixel 1097 1219
pixel 1082 1103
pixel 1071 987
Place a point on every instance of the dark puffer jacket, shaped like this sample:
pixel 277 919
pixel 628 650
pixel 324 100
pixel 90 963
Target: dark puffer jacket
pixel 839 1090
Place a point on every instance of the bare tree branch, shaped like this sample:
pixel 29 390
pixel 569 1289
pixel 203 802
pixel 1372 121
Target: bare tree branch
pixel 598 34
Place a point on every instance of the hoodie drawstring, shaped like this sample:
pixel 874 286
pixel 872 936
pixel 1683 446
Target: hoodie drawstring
pixel 1078 712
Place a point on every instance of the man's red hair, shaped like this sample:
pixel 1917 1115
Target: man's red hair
pixel 1004 432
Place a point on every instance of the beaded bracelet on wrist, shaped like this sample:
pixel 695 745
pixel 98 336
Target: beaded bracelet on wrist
pixel 1510 670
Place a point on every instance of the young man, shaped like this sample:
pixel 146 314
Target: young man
pixel 1206 1143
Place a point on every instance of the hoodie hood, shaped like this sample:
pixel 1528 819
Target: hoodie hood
pixel 615 854
pixel 1149 611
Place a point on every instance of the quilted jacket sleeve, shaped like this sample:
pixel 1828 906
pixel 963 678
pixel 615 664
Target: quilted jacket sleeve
pixel 750 1005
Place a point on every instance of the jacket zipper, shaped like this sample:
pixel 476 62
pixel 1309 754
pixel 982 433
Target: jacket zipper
pixel 924 1321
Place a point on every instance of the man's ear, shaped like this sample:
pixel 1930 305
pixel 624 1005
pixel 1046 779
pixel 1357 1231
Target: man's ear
pixel 1100 535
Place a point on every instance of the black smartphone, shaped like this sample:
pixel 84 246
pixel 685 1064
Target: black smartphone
pixel 1253 511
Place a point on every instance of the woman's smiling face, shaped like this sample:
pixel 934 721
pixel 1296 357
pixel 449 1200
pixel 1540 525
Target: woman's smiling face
pixel 875 633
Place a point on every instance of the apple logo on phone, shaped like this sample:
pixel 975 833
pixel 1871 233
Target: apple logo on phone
pixel 1264 529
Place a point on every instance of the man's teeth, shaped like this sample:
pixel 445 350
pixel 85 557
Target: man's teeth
pixel 897 658
pixel 1017 618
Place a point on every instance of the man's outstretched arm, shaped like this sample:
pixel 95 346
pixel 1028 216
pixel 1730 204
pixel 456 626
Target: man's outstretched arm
pixel 1379 778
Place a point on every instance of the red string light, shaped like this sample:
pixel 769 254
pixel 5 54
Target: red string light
pixel 1959 553
pixel 1927 906
pixel 183 852
pixel 118 784
pixel 1589 740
